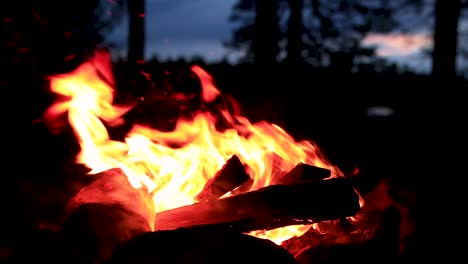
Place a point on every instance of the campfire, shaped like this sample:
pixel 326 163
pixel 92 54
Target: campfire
pixel 214 175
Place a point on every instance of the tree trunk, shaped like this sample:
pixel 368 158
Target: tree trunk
pixel 295 28
pixel 447 14
pixel 265 44
pixel 136 36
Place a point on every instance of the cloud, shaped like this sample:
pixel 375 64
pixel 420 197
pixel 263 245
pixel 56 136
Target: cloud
pixel 397 44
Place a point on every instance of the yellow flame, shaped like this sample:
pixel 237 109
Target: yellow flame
pixel 175 175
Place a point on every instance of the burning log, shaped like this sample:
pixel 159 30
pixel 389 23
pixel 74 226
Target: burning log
pixel 231 175
pixel 267 208
pixel 199 246
pixel 299 174
pixel 104 214
pixel 112 187
pixel 380 247
pixel 93 231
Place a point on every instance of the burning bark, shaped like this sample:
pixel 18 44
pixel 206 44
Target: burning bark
pixel 267 208
pixel 231 175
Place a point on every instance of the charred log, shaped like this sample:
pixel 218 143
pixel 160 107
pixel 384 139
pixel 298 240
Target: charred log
pixel 199 246
pixel 303 173
pixel 267 208
pixel 230 176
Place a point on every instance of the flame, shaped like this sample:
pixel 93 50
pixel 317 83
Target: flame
pixel 175 175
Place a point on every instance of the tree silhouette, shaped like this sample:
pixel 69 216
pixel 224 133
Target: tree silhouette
pixel 447 14
pixel 462 47
pixel 330 32
pixel 136 39
pixel 319 32
pixel 68 30
pixel 40 38
pixel 259 34
pixel 444 19
pixel 265 44
pixel 295 44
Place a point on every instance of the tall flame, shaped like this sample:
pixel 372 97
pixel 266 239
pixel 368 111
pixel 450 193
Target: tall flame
pixel 175 175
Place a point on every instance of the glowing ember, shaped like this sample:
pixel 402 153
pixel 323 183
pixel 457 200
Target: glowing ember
pixel 175 175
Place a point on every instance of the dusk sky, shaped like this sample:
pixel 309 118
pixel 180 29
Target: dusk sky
pixel 185 28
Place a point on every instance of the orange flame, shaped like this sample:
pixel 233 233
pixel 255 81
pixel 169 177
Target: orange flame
pixel 174 176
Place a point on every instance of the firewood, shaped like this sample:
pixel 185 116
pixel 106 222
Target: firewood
pixel 104 214
pixel 193 245
pixel 112 187
pixel 267 208
pixel 300 173
pixel 303 173
pixel 382 246
pixel 93 230
pixel 230 176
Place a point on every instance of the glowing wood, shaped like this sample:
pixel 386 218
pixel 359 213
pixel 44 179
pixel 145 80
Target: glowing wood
pixel 267 208
pixel 230 176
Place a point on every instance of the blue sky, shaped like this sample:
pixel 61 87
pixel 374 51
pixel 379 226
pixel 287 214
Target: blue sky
pixel 184 28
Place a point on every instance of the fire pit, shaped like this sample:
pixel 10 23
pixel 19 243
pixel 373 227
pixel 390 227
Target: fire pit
pixel 213 183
